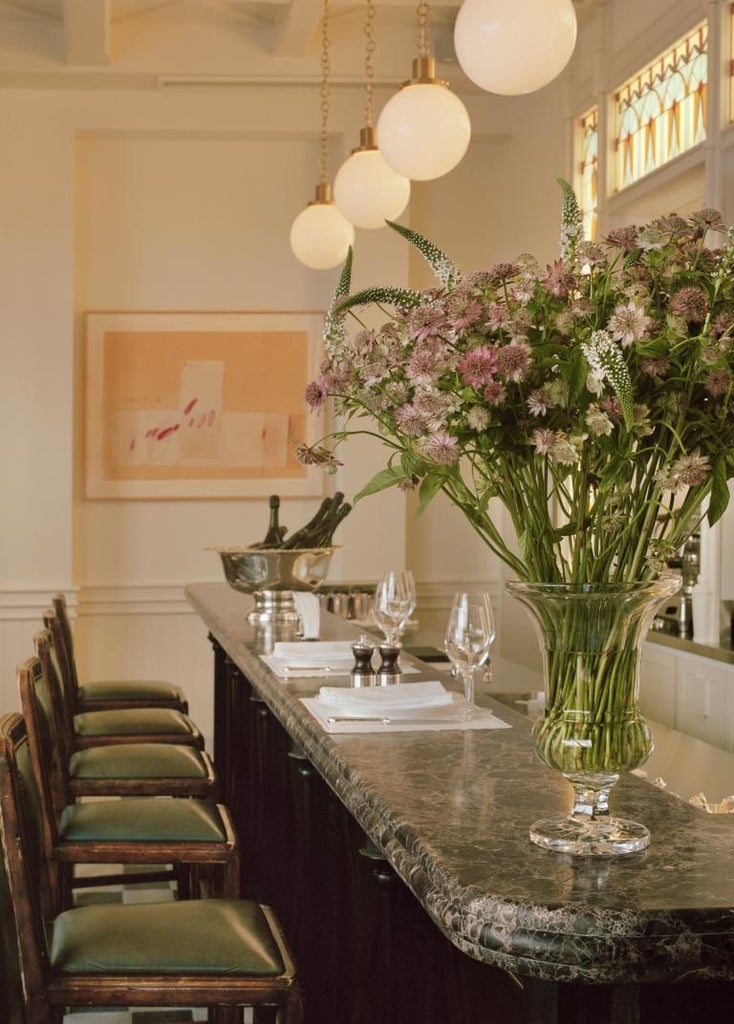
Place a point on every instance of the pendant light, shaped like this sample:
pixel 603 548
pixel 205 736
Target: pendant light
pixel 513 47
pixel 368 191
pixel 321 235
pixel 423 131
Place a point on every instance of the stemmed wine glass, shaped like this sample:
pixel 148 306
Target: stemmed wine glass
pixel 395 601
pixel 469 635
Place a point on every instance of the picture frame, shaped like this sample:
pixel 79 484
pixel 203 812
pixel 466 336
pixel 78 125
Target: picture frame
pixel 200 405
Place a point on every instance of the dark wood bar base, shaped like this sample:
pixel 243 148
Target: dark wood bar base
pixel 367 951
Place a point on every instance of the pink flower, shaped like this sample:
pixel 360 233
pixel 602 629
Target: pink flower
pixel 497 315
pixel 478 366
pixel 655 367
pixel 537 402
pixel 514 360
pixel 624 238
pixel 718 382
pixel 544 441
pixel 559 280
pixel 427 363
pixel 427 323
pixel 462 312
pixel 442 448
pixel 628 324
pixel 409 420
pixel 691 304
pixel 613 408
pixel 501 272
pixel 691 470
pixel 495 393
pixel 315 395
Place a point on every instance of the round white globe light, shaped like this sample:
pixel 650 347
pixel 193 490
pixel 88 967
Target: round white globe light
pixel 423 131
pixel 321 236
pixel 512 47
pixel 368 192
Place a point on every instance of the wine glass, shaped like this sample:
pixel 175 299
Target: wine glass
pixel 469 635
pixel 395 601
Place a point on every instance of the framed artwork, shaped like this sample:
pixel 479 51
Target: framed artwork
pixel 200 405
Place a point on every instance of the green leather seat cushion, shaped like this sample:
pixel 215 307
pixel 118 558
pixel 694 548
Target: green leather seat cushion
pixel 138 761
pixel 131 689
pixel 228 937
pixel 144 819
pixel 133 722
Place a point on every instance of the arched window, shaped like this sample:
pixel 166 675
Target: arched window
pixel 661 111
pixel 588 170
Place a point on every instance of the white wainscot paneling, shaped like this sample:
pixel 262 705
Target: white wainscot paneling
pixel 21 617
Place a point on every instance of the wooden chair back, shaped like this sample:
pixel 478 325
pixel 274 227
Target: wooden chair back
pixel 65 642
pixel 11 991
pixel 39 701
pixel 63 653
pixel 21 819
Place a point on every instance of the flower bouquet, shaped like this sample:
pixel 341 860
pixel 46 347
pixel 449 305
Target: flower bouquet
pixel 592 397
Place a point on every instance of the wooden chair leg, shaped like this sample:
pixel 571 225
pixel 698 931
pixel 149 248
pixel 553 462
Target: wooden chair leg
pixel 264 1014
pixel 225 1015
pixel 185 884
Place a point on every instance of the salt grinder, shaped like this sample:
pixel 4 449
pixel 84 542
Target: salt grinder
pixel 363 673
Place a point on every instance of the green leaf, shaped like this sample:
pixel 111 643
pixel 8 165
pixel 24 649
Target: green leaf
pixel 429 488
pixel 381 482
pixel 444 269
pixel 719 498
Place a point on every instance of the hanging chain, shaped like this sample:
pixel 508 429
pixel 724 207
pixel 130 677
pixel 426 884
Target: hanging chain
pixel 423 35
pixel 323 154
pixel 369 64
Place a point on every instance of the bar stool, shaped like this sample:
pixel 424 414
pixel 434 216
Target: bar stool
pixel 218 953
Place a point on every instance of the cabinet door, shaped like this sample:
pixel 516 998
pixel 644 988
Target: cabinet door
pixel 704 701
pixel 658 685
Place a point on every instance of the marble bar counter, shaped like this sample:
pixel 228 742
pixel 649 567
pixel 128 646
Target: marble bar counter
pixel 450 812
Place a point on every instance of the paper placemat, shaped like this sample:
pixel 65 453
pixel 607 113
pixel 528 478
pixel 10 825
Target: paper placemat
pixel 427 720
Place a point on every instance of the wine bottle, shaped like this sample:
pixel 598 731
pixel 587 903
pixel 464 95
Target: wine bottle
pixel 330 523
pixel 319 530
pixel 305 537
pixel 274 536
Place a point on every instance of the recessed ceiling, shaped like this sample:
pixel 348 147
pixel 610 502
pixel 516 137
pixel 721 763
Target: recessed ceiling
pixel 259 39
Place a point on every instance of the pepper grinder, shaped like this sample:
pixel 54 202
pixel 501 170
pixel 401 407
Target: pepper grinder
pixel 389 670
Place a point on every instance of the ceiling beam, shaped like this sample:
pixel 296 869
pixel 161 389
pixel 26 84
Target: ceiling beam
pixel 294 28
pixel 87 29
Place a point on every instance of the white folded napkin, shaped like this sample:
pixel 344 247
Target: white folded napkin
pixel 308 607
pixel 320 652
pixel 386 699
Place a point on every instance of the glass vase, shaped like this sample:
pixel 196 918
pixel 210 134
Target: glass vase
pixel 591 637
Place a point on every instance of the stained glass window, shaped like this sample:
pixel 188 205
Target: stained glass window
pixel 588 170
pixel 661 112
